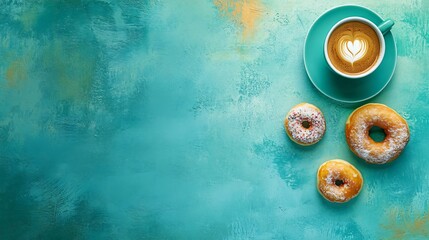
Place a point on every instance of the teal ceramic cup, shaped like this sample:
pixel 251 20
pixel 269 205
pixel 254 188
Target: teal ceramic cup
pixel 380 30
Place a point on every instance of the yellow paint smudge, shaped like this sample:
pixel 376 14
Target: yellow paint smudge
pixel 29 17
pixel 244 13
pixel 16 73
pixel 70 71
pixel 402 225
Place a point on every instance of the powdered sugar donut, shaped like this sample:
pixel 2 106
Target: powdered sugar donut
pixel 305 124
pixel 374 114
pixel 338 181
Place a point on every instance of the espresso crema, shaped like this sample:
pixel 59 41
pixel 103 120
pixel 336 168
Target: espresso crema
pixel 353 48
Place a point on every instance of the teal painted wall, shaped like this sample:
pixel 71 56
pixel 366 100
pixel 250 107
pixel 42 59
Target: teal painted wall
pixel 164 120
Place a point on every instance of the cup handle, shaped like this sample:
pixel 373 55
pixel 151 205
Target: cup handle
pixel 386 25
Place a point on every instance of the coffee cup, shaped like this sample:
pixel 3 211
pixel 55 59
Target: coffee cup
pixel 355 46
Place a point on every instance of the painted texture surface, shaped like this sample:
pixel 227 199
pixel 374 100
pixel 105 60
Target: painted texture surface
pixel 164 120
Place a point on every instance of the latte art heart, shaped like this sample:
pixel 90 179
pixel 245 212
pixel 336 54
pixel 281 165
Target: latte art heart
pixel 352 51
pixel 353 48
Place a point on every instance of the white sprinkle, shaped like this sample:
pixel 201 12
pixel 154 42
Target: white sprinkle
pixel 306 112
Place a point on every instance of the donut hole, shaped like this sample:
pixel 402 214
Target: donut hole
pixel 377 134
pixel 339 182
pixel 306 124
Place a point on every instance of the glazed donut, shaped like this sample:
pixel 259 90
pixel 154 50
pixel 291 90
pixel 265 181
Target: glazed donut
pixel 305 124
pixel 374 114
pixel 338 181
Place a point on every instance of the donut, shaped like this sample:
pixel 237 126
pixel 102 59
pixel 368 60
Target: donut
pixel 374 114
pixel 338 181
pixel 305 124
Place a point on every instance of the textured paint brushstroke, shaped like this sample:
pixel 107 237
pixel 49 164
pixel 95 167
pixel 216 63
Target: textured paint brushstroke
pixel 71 72
pixel 403 224
pixel 15 73
pixel 29 16
pixel 244 13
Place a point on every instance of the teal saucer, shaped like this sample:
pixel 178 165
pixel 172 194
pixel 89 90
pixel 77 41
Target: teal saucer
pixel 327 81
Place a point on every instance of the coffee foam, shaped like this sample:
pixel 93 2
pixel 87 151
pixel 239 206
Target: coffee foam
pixel 353 47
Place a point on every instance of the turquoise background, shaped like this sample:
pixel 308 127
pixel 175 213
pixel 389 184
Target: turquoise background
pixel 164 120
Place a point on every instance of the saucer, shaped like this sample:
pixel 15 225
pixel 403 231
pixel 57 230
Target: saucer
pixel 327 81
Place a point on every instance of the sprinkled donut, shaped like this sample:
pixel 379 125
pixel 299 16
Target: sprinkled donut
pixel 305 124
pixel 338 181
pixel 374 114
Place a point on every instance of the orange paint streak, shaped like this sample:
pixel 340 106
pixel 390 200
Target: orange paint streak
pixel 15 73
pixel 244 13
pixel 403 225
